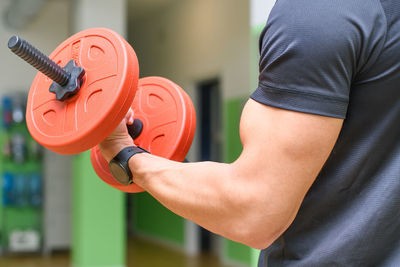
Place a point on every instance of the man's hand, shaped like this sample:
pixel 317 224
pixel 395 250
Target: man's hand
pixel 119 138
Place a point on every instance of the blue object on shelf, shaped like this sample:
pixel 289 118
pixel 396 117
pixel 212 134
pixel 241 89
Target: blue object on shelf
pixel 7 111
pixel 8 189
pixel 20 188
pixel 35 189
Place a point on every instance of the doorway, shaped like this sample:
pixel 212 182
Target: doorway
pixel 210 144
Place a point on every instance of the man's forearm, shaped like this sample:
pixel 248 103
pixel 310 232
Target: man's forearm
pixel 220 197
pixel 202 192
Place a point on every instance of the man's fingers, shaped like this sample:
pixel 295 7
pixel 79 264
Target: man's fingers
pixel 129 117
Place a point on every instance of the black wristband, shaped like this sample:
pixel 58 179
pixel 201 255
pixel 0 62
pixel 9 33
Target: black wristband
pixel 119 166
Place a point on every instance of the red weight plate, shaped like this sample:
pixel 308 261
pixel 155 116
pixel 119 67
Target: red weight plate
pixel 168 118
pixel 169 123
pixel 108 89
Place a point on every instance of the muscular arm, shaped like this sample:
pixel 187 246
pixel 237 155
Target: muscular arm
pixel 254 199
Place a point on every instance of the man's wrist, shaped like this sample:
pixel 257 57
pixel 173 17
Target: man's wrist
pixel 110 148
pixel 135 165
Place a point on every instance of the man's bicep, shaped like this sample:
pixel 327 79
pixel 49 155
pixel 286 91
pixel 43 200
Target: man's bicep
pixel 283 152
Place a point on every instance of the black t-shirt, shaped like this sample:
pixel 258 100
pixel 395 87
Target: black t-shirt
pixel 340 58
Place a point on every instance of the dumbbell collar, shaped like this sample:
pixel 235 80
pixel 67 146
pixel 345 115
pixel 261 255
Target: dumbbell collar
pixel 74 82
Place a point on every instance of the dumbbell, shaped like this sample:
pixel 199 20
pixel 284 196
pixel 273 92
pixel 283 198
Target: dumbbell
pixel 73 108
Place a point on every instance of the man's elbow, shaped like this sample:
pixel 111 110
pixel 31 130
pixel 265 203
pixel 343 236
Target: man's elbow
pixel 260 224
pixel 259 235
pixel 257 218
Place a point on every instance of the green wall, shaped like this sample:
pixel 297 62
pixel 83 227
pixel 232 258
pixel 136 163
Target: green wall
pixel 98 219
pixel 233 107
pixel 153 219
pixel 232 112
pixel 254 55
pixel 232 148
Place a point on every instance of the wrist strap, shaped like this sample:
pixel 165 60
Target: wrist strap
pixel 121 159
pixel 126 153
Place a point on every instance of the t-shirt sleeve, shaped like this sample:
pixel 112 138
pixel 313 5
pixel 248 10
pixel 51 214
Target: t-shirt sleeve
pixel 311 53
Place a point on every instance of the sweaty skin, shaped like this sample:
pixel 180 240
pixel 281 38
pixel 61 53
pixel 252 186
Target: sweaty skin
pixel 254 199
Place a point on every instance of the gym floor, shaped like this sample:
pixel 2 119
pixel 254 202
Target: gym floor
pixel 140 254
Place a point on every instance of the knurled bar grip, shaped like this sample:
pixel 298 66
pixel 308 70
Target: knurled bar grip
pixel 37 59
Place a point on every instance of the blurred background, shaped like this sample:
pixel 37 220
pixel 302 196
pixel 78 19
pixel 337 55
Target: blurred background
pixel 54 210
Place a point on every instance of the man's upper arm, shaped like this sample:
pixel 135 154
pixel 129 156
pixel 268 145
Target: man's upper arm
pixel 283 152
pixel 311 52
